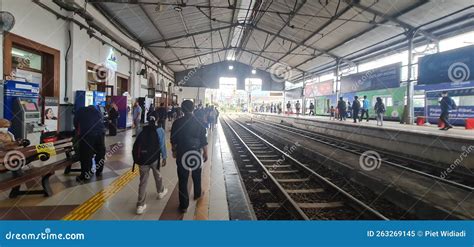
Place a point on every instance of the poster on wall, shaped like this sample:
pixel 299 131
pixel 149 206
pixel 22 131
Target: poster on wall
pixel 319 89
pixel 380 78
pixel 51 113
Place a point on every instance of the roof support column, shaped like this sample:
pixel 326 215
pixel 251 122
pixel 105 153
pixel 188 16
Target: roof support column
pixel 410 87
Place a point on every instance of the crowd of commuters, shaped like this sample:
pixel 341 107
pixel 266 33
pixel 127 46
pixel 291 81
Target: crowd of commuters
pixel 188 136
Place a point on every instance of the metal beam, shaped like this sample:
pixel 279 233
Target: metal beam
pixel 391 18
pixel 396 45
pixel 290 18
pixel 149 43
pixel 231 29
pixel 194 56
pixel 298 43
pixel 418 4
pixel 159 32
pixel 268 58
pixel 337 15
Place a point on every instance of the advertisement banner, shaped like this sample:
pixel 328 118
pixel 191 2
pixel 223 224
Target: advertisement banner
pixel 51 106
pixel 450 66
pixel 384 77
pixel 319 89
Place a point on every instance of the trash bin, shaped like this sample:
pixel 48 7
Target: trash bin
pixel 469 123
pixel 420 120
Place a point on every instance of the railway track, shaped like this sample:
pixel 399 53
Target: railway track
pixel 281 182
pixel 406 163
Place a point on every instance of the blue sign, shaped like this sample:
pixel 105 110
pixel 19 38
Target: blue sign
pixel 450 66
pixel 379 78
pixel 15 89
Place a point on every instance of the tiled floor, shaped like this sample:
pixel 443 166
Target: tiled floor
pixel 115 194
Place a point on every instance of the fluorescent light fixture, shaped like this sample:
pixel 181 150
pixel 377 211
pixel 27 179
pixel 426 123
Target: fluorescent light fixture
pixel 231 58
pixel 254 71
pixel 21 54
pixel 231 67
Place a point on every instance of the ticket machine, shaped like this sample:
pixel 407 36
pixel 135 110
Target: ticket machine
pixel 26 123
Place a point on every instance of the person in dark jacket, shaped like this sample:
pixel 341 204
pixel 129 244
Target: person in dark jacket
pixel 90 134
pixel 341 108
pixel 113 117
pixel 379 109
pixel 446 104
pixel 161 115
pixel 355 109
pixel 189 146
pixel 311 109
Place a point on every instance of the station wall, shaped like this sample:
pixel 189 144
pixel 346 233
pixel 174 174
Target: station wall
pixel 35 23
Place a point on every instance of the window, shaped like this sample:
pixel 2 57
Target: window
pixel 25 60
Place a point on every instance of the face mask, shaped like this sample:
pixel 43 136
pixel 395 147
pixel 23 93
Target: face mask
pixel 3 129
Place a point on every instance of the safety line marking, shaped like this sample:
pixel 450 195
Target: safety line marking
pixel 93 204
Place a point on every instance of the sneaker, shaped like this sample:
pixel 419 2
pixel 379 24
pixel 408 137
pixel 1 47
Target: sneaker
pixel 141 209
pixel 162 194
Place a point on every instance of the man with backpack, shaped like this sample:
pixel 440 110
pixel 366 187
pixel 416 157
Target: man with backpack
pixel 148 146
pixel 379 110
pixel 189 145
pixel 446 104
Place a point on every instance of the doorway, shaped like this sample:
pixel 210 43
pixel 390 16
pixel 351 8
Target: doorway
pixel 122 84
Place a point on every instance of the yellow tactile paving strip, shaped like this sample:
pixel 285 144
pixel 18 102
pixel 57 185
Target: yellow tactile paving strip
pixel 89 207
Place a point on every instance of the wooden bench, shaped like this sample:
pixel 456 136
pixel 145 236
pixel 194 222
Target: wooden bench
pixel 44 172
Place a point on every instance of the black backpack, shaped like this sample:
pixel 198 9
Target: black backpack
pixel 146 148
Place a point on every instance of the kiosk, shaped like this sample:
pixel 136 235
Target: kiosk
pixel 26 123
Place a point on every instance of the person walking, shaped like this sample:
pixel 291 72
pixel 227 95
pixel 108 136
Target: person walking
pixel 288 108
pixel 136 118
pixel 113 118
pixel 332 113
pixel 189 146
pixel 147 148
pixel 298 107
pixel 355 109
pixel 311 109
pixel 161 115
pixel 379 109
pixel 91 137
pixel 447 104
pixel 365 108
pixel 341 107
pixel 349 110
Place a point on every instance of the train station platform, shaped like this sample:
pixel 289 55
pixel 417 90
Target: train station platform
pixel 425 142
pixel 114 196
